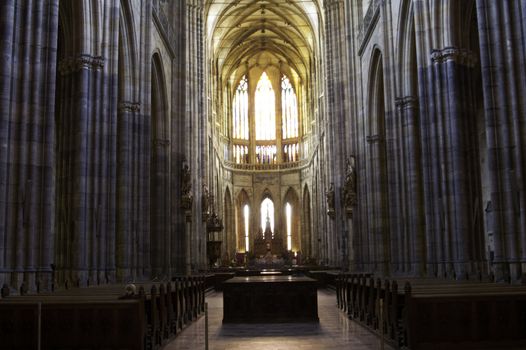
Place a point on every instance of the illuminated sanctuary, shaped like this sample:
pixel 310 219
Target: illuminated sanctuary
pixel 365 143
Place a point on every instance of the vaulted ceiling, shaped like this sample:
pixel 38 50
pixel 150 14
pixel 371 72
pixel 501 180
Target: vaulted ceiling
pixel 242 32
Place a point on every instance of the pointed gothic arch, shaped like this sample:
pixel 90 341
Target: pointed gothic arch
pixel 294 242
pixel 378 215
pixel 159 171
pixel 242 230
pixel 229 225
pixel 307 244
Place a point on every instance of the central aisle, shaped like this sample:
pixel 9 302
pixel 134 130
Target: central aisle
pixel 335 331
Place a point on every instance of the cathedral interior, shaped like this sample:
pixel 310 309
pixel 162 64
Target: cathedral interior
pixel 142 140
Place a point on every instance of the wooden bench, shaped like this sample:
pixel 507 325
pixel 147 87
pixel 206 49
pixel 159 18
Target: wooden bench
pixel 464 316
pixel 436 314
pixel 154 316
pixel 326 278
pixel 72 324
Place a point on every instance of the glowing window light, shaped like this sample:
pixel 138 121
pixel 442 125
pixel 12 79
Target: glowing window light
pixel 288 213
pixel 267 209
pixel 289 105
pixel 246 211
pixel 240 110
pixel 265 109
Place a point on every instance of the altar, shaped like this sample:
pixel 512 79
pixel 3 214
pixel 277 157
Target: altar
pixel 270 299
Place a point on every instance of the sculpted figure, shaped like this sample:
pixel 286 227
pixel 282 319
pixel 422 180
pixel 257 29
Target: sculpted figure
pixel 205 199
pixel 349 190
pixel 186 187
pixel 330 197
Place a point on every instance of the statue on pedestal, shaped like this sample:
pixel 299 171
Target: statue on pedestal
pixel 205 202
pixel 186 187
pixel 349 189
pixel 330 200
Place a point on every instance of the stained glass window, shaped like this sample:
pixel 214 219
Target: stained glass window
pixel 241 154
pixel 291 153
pixel 288 214
pixel 267 215
pixel 289 107
pixel 266 154
pixel 240 111
pixel 246 212
pixel 265 110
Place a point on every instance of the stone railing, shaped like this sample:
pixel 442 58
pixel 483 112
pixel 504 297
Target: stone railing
pixel 266 167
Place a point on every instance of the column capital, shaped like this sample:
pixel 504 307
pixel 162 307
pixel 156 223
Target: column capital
pixel 129 107
pixel 406 102
pixel 375 139
pixel 161 142
pixel 73 64
pixel 455 54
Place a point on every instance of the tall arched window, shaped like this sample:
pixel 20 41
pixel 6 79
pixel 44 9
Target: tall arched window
pixel 289 107
pixel 240 111
pixel 267 215
pixel 240 122
pixel 265 110
pixel 246 216
pixel 288 214
pixel 255 126
pixel 289 121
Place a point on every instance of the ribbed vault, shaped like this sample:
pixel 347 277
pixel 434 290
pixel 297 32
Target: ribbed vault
pixel 262 32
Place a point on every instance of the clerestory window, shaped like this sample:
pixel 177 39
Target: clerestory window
pixel 256 129
pixel 240 111
pixel 265 110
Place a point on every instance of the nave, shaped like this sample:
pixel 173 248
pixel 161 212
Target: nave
pixel 334 331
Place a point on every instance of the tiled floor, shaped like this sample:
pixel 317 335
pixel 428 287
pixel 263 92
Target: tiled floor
pixel 335 331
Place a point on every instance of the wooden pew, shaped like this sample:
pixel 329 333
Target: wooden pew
pixel 464 316
pixel 72 324
pixel 160 315
pixel 438 314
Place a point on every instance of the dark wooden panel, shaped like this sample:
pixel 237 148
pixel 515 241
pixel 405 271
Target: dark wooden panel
pixel 270 299
pixel 18 327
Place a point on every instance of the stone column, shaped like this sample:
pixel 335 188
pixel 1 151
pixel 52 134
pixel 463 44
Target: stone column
pixel 460 179
pixel 349 201
pixel 350 241
pixel 335 126
pixel 197 145
pixel 128 176
pixel 407 108
pixel 503 56
pixel 86 145
pixel 28 50
pixel 188 242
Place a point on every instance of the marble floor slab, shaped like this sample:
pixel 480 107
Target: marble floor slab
pixel 335 331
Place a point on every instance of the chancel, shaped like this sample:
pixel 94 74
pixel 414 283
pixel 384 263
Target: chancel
pixel 318 173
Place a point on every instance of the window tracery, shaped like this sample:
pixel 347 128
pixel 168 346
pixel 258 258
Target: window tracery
pixel 265 110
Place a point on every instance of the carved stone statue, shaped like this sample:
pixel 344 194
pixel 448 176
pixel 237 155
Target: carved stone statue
pixel 205 199
pixel 330 200
pixel 349 189
pixel 186 187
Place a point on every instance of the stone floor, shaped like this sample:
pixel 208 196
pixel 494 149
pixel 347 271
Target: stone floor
pixel 335 331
